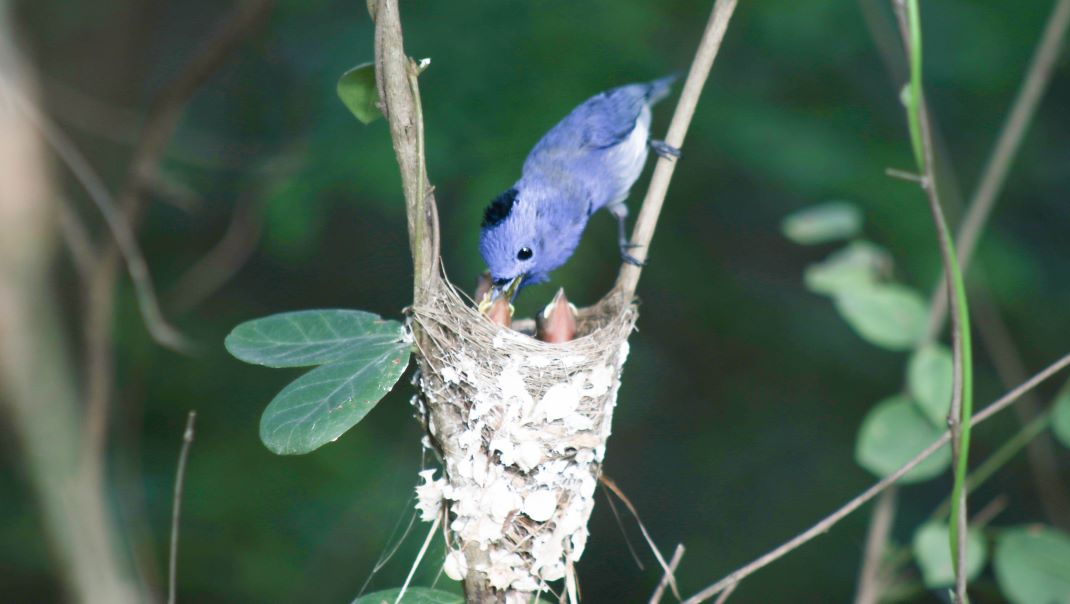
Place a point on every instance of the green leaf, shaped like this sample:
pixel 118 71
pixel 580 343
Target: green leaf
pixel 1060 417
pixel 859 264
pixel 934 556
pixel 313 337
pixel 929 377
pixel 889 316
pixel 321 405
pixel 1033 565
pixel 894 432
pixel 413 595
pixel 830 221
pixel 358 92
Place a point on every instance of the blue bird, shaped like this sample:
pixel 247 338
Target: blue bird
pixel 588 161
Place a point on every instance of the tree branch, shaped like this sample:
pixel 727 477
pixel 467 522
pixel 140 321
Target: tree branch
pixel 399 97
pixel 832 519
pixel 647 220
pixel 37 385
pixel 155 136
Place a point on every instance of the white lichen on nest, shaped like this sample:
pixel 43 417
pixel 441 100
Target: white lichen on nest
pixel 521 427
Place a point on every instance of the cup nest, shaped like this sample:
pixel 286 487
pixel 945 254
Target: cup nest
pixel 520 427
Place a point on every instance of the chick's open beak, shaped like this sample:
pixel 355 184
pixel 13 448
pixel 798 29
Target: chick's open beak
pixel 502 288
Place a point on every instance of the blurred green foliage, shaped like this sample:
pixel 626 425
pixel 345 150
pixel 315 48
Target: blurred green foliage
pixel 744 392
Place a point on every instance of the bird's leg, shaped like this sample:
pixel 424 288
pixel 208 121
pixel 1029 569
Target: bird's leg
pixel 620 212
pixel 664 149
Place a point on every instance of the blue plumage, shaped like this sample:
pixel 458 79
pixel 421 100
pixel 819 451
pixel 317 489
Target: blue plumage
pixel 588 161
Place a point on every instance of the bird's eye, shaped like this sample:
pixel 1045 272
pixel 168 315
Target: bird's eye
pixel 524 253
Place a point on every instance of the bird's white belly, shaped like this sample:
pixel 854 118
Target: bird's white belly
pixel 627 158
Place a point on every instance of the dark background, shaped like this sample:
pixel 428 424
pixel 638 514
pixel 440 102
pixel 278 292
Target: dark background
pixel 741 400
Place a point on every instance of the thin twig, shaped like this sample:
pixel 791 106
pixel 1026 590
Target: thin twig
pixel 612 486
pixel 1026 101
pixel 216 267
pixel 1007 359
pixel 126 243
pixel 869 584
pixel 176 507
pixel 728 591
pixel 829 521
pixel 620 525
pixel 419 557
pixel 958 418
pixel 989 512
pixel 664 582
pixel 159 128
pixel 647 220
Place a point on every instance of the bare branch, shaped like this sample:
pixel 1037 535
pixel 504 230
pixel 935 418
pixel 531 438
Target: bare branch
pixel 829 521
pixel 665 577
pixel 647 220
pixel 612 486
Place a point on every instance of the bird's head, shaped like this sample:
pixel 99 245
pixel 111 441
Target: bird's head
pixel 511 245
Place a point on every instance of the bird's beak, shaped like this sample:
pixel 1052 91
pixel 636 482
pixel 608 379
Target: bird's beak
pixel 501 289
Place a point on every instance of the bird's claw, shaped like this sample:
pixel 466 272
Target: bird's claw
pixel 664 149
pixel 632 260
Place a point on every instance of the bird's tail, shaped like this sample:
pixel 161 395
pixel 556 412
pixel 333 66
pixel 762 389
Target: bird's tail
pixel 660 88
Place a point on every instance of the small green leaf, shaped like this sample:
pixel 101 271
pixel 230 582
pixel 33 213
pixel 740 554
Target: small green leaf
pixel 894 432
pixel 358 92
pixel 321 405
pixel 1060 417
pixel 929 377
pixel 313 337
pixel 859 264
pixel 830 221
pixel 933 554
pixel 889 316
pixel 1033 565
pixel 413 595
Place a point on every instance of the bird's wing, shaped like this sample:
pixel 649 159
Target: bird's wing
pixel 609 118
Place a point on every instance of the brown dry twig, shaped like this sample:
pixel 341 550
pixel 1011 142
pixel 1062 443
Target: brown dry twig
pixel 647 220
pixel 176 506
pixel 665 577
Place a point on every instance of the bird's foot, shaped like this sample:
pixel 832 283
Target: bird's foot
pixel 663 149
pixel 628 258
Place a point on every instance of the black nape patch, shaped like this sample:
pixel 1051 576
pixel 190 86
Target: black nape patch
pixel 499 209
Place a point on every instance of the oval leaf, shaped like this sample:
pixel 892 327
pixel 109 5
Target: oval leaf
pixel 321 405
pixel 830 221
pixel 929 377
pixel 359 94
pixel 413 595
pixel 889 316
pixel 313 337
pixel 859 264
pixel 1033 565
pixel 894 432
pixel 933 553
pixel 1060 418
